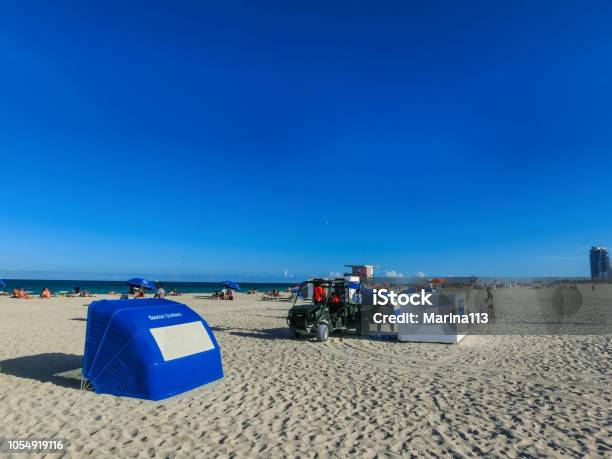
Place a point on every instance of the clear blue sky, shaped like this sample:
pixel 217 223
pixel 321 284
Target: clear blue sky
pixel 252 138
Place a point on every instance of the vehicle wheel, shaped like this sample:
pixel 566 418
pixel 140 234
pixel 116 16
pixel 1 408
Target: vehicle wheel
pixel 322 333
pixel 292 333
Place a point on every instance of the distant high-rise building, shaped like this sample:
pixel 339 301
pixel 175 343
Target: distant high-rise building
pixel 362 271
pixel 600 263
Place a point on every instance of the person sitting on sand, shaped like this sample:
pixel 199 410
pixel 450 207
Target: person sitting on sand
pixel 20 293
pixel 173 292
pixel 45 293
pixel 160 293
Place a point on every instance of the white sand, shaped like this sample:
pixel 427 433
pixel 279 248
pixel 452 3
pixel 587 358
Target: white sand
pixel 499 396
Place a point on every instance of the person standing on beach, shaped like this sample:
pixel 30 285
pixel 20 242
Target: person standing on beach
pixel 490 303
pixel 160 291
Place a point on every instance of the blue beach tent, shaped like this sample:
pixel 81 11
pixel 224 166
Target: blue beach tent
pixel 149 348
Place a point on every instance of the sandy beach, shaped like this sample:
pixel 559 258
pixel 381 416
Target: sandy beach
pixel 499 396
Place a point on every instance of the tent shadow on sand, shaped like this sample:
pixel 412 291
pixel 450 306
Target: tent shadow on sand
pixel 283 334
pixel 266 333
pixel 55 367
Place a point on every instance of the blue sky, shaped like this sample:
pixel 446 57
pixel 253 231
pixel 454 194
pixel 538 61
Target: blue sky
pixel 270 139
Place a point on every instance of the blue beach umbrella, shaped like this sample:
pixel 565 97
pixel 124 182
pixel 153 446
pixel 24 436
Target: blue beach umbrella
pixel 140 282
pixel 230 284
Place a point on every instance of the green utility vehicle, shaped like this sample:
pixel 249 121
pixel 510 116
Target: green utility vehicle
pixel 334 308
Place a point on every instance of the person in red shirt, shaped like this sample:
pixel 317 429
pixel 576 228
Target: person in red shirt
pixel 335 307
pixel 318 294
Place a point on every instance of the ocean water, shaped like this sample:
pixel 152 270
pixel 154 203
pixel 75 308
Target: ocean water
pixel 36 285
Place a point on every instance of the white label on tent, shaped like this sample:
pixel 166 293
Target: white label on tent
pixel 181 340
